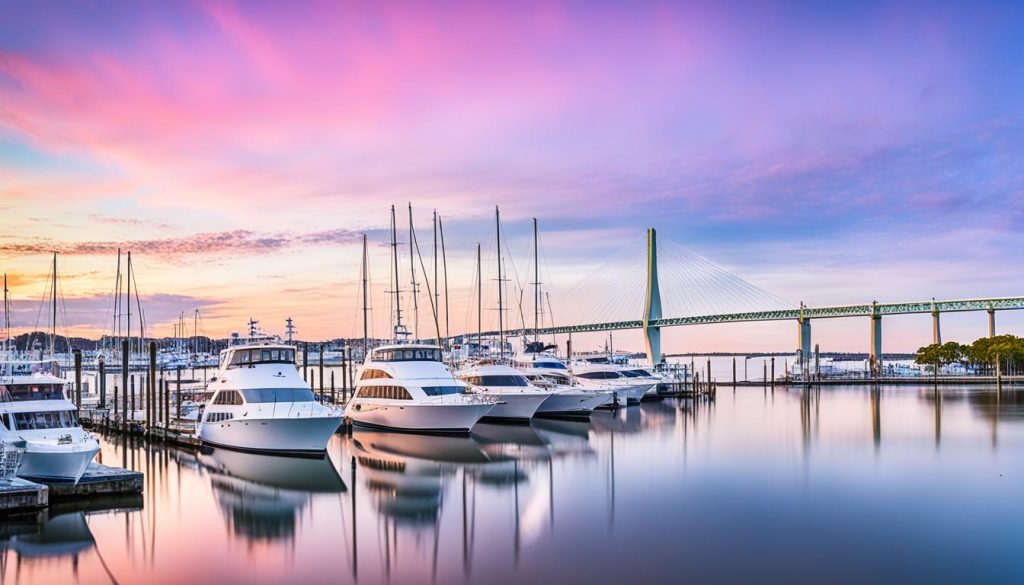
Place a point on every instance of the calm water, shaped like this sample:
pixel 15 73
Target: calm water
pixel 838 486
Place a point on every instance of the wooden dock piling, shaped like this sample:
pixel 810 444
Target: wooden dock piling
pixel 78 379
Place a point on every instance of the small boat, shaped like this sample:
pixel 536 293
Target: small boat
pixel 406 387
pixel 261 404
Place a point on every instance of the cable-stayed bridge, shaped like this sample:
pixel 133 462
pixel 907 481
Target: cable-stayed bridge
pixel 646 287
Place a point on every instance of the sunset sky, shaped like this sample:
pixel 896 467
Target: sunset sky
pixel 829 153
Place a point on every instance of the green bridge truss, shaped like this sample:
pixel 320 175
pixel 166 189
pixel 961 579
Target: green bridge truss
pixel 868 310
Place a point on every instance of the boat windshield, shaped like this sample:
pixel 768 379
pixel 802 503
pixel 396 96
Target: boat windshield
pixel 268 355
pixel 442 390
pixel 510 380
pixel 277 394
pixel 634 373
pixel 549 365
pixel 411 354
pixel 53 419
pixel 26 392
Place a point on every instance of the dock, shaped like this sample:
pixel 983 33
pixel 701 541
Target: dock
pixel 99 480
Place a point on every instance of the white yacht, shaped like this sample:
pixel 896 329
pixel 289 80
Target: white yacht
pixel 260 403
pixel 34 409
pixel 518 399
pixel 609 377
pixel 406 387
pixel 567 398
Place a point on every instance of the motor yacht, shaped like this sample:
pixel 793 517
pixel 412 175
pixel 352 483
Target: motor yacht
pixel 260 403
pixel 406 387
pixel 518 399
pixel 35 409
pixel 609 377
pixel 567 399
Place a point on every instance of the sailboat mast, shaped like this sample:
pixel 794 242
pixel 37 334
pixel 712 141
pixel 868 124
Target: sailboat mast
pixel 479 300
pixel 7 326
pixel 415 291
pixel 444 267
pixel 536 285
pixel 53 298
pixel 125 359
pixel 365 301
pixel 394 259
pixel 437 289
pixel 501 314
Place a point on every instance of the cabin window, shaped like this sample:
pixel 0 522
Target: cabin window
pixel 549 365
pixel 599 375
pixel 374 374
pixel 442 390
pixel 213 417
pixel 246 357
pixel 54 419
pixel 230 397
pixel 498 381
pixel 25 392
pixel 401 355
pixel 385 392
pixel 264 395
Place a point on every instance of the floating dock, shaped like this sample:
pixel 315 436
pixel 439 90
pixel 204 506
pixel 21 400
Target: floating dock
pixel 99 480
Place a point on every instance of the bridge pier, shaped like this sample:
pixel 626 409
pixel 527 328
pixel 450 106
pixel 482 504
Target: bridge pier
pixel 991 322
pixel 936 331
pixel 803 342
pixel 876 345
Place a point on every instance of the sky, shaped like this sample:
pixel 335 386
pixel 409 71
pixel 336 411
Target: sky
pixel 829 153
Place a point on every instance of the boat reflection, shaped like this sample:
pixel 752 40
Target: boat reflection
pixel 58 535
pixel 261 496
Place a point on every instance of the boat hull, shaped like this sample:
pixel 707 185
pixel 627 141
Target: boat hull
pixel 299 435
pixel 516 407
pixel 57 464
pixel 572 403
pixel 425 418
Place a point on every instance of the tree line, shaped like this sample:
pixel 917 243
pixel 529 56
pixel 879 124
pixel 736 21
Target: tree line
pixel 982 355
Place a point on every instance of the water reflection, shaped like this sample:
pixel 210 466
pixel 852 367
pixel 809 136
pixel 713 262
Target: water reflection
pixel 261 496
pixel 842 485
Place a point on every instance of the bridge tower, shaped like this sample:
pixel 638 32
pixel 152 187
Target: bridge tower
pixel 936 330
pixel 652 304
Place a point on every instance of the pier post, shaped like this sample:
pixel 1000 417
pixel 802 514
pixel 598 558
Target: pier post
pixel 334 397
pixel 179 394
pixel 991 322
pixel 734 374
pixel 131 381
pixel 344 373
pixel 78 379
pixel 773 373
pixel 124 382
pixel 305 362
pixel 151 386
pixel 708 377
pixel 876 341
pixel 167 402
pixel 936 330
pixel 103 383
pixel 321 378
pixel 765 376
